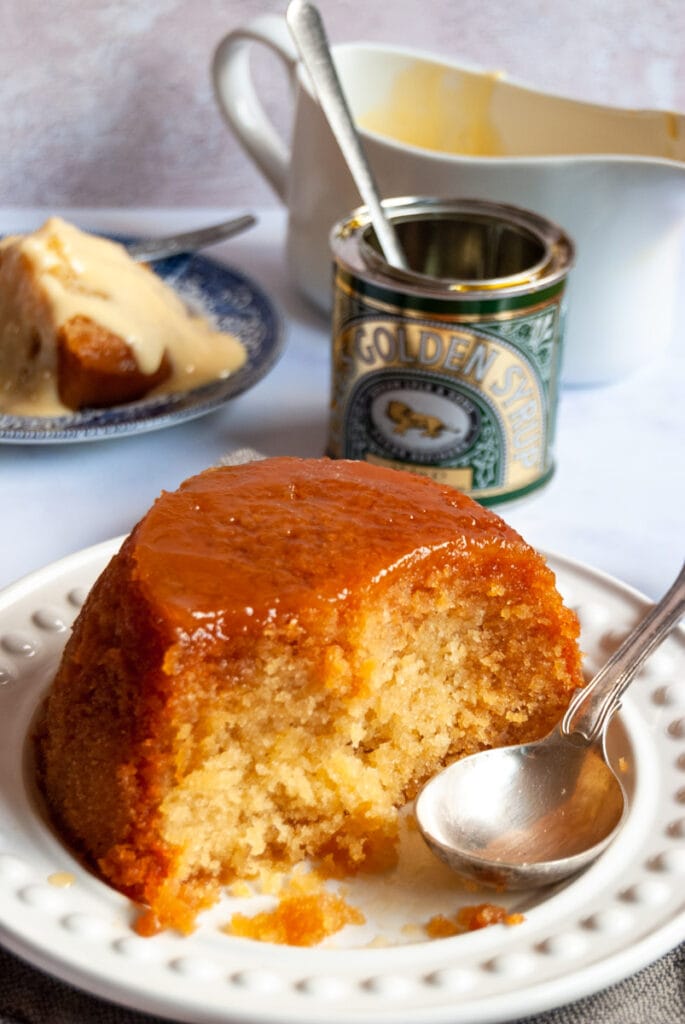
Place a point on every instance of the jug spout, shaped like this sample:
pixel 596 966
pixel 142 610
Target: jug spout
pixel 530 123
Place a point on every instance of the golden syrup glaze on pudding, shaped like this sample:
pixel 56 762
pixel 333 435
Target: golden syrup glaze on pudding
pixel 278 657
pixel 218 578
pixel 73 304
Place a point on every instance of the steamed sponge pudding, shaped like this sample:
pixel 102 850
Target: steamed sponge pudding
pixel 278 657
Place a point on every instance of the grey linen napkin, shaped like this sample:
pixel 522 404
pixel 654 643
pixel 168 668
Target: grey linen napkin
pixel 655 995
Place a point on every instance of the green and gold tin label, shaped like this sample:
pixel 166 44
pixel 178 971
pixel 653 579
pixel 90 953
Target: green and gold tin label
pixel 468 399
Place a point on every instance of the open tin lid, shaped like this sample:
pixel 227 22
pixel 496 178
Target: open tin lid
pixel 458 247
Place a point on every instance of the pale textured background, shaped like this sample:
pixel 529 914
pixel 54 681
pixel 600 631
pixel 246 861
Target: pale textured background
pixel 109 103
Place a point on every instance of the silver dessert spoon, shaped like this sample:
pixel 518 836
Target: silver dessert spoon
pixel 188 241
pixel 526 816
pixel 307 29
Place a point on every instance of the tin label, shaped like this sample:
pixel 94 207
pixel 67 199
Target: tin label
pixel 471 404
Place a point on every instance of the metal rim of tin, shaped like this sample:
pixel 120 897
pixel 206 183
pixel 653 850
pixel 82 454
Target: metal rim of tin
pixel 352 243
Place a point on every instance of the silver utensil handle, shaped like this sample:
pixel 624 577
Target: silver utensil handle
pixel 308 31
pixel 189 241
pixel 591 708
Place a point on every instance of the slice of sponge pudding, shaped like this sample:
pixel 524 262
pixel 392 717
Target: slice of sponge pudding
pixel 278 657
pixel 84 326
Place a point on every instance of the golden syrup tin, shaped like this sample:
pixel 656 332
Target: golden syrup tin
pixel 450 369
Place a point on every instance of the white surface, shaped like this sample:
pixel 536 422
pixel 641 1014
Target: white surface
pixel 616 501
pixel 626 910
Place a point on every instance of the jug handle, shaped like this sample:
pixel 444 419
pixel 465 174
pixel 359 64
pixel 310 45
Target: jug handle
pixel 237 98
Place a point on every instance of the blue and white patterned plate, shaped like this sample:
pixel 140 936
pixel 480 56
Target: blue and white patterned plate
pixel 233 303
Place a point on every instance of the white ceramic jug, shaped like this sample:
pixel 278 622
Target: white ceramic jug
pixel 613 179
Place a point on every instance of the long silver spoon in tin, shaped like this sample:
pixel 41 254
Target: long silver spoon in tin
pixel 307 29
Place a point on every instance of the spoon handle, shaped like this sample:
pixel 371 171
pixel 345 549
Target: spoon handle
pixel 591 708
pixel 188 241
pixel 306 26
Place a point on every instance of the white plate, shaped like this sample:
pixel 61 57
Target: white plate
pixel 231 301
pixel 623 913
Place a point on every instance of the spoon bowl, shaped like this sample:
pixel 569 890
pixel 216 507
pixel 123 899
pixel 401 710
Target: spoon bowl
pixel 530 815
pixel 523 816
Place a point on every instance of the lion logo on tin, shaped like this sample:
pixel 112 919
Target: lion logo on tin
pixel 405 418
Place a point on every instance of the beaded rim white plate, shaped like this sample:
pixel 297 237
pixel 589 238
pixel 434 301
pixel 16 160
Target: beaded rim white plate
pixel 620 915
